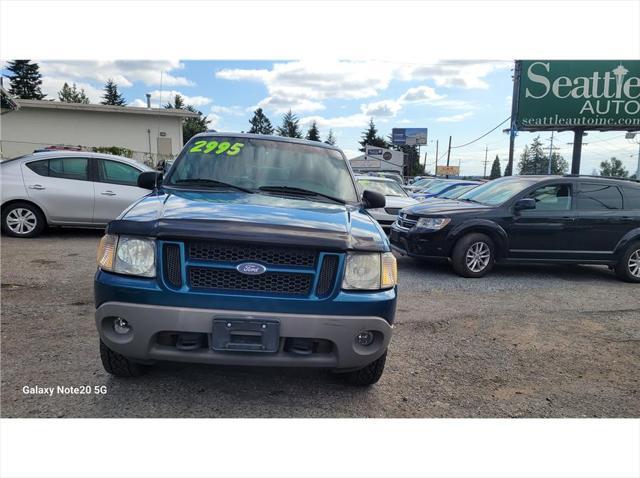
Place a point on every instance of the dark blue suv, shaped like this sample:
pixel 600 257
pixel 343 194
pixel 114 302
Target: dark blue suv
pixel 253 250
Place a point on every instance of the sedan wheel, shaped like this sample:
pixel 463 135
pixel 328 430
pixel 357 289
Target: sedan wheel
pixel 22 220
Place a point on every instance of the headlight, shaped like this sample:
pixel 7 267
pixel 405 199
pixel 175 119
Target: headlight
pixel 127 255
pixel 434 223
pixel 370 271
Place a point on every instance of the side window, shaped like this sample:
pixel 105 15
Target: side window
pixel 41 167
pixel 555 197
pixel 599 197
pixel 116 172
pixel 69 168
pixel 632 198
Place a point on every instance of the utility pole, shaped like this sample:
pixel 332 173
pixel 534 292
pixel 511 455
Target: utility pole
pixel 550 155
pixel 448 154
pixel 486 152
pixel 435 172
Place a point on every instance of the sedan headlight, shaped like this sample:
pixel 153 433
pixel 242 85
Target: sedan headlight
pixel 370 271
pixel 434 223
pixel 127 255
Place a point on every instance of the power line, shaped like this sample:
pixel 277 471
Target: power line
pixel 477 139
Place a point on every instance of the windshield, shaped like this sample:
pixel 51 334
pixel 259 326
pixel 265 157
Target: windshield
pixel 387 188
pixel 253 163
pixel 435 188
pixel 497 191
pixel 421 183
pixel 457 191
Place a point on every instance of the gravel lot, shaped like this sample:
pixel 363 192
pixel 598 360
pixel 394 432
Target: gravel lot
pixel 524 342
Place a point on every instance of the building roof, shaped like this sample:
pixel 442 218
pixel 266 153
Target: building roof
pixel 7 100
pixel 44 104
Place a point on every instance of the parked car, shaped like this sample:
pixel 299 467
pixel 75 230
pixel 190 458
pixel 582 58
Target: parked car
pixel 440 186
pixel 420 183
pixel 66 188
pixel 397 177
pixel 545 219
pixel 395 196
pixel 254 250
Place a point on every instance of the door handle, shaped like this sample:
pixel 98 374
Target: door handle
pixel 39 187
pixel 108 193
pixel 569 218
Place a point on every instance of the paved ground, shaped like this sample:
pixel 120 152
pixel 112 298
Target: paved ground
pixel 524 342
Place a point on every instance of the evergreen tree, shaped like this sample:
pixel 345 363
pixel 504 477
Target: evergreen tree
pixel 331 139
pixel 313 134
pixel 260 124
pixel 508 170
pixel 111 95
pixel 26 80
pixel 190 126
pixel 193 126
pixel 370 137
pixel 178 103
pixel 71 94
pixel 289 127
pixel 613 167
pixel 533 160
pixel 495 169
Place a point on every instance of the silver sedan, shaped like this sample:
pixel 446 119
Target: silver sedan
pixel 66 188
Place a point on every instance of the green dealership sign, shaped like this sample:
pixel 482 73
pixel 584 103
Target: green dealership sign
pixel 564 95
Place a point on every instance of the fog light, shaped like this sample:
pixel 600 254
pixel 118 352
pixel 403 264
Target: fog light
pixel 121 326
pixel 365 338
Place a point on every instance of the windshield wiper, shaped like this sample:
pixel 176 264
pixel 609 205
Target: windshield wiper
pixel 211 182
pixel 298 191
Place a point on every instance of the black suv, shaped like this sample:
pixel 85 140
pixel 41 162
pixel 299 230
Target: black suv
pixel 552 219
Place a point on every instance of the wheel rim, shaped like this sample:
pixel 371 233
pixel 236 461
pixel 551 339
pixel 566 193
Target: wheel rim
pixel 21 221
pixel 634 264
pixel 478 256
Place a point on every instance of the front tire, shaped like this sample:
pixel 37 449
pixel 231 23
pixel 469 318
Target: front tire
pixel 628 267
pixel 22 219
pixel 473 255
pixel 368 375
pixel 117 364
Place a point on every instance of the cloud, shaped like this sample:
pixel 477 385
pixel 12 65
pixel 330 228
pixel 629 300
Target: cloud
pixel 304 85
pixel 357 120
pixel 461 74
pixel 454 118
pixel 382 108
pixel 227 110
pixel 420 94
pixel 123 72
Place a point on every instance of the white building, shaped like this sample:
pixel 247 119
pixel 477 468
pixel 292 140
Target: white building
pixel 150 133
pixel 379 159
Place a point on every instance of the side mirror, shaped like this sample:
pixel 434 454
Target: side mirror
pixel 525 203
pixel 149 180
pixel 373 200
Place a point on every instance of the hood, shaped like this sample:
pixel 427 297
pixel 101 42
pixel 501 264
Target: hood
pixel 399 201
pixel 444 207
pixel 239 216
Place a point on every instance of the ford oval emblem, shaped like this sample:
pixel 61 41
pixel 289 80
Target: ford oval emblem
pixel 251 268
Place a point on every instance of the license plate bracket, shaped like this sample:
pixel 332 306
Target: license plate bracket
pixel 245 335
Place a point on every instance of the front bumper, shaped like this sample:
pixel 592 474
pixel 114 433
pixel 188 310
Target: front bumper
pixel 147 322
pixel 416 242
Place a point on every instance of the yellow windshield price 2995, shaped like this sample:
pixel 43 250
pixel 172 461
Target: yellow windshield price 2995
pixel 215 147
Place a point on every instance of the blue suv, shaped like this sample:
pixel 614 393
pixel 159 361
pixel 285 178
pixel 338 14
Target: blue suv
pixel 252 250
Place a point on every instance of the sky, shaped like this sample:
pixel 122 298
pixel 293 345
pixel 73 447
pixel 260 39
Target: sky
pixel 458 98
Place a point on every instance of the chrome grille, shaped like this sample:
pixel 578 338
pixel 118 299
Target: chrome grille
pixel 407 220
